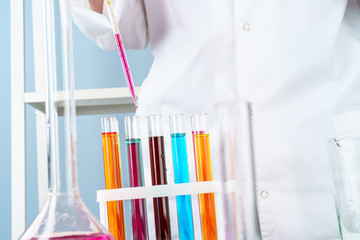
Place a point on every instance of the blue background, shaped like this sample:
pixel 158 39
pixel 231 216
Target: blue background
pixel 90 62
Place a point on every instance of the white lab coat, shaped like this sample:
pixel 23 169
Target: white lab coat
pixel 296 61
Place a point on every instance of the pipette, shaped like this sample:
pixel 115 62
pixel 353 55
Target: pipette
pixel 121 50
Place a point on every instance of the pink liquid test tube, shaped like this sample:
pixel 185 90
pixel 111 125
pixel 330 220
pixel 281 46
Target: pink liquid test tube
pixel 136 176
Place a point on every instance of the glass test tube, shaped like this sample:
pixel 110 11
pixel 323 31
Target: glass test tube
pixel 181 175
pixel 229 122
pixel 204 173
pixel 112 169
pixel 136 176
pixel 235 132
pixel 158 175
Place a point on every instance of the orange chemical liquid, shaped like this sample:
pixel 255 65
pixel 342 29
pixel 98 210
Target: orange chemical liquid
pixel 111 153
pixel 204 173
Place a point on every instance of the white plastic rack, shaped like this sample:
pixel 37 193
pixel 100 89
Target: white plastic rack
pixel 169 190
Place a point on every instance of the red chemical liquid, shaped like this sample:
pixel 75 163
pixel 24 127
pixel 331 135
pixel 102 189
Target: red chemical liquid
pixel 158 177
pixel 136 177
pixel 95 236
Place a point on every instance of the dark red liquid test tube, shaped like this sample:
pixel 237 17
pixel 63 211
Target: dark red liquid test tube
pixel 158 176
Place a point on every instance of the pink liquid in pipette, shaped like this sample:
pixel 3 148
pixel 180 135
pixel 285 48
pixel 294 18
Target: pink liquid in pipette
pixel 126 67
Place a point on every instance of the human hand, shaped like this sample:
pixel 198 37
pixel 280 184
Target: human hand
pixel 97 5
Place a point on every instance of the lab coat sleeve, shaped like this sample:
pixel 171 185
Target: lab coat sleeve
pixel 131 18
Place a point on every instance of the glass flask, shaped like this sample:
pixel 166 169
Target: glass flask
pixel 63 215
pixel 241 217
pixel 344 156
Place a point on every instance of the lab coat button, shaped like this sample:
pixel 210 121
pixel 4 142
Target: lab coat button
pixel 246 27
pixel 264 194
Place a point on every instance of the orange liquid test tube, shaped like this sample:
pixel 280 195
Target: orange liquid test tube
pixel 112 169
pixel 204 173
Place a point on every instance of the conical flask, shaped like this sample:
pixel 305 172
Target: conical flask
pixel 63 215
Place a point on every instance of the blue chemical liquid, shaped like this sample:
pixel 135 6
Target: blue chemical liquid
pixel 181 175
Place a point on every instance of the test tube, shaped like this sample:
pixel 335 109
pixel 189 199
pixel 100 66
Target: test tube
pixel 201 143
pixel 158 175
pixel 136 176
pixel 235 132
pixel 112 169
pixel 181 175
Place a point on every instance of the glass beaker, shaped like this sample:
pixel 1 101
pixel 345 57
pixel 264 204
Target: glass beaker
pixel 236 146
pixel 344 156
pixel 63 215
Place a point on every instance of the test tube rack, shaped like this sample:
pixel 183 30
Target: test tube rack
pixel 170 190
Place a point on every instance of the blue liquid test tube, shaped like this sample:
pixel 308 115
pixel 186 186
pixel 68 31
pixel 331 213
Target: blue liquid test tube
pixel 181 175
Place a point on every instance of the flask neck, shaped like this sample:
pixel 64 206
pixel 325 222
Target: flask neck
pixel 62 158
pixel 60 105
